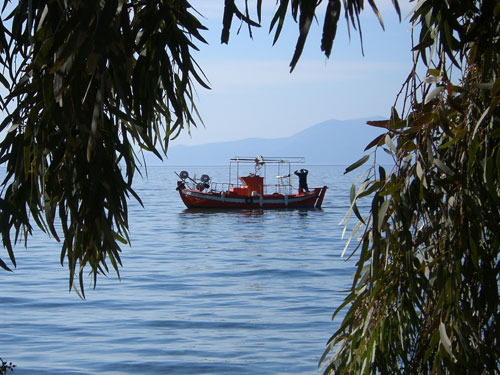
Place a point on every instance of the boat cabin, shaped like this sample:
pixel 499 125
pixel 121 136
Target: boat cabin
pixel 252 185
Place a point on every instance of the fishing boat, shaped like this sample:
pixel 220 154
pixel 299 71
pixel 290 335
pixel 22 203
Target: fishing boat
pixel 252 190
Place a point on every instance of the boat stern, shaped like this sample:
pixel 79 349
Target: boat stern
pixel 321 196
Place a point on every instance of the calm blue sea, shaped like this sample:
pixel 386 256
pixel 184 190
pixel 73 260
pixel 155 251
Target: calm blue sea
pixel 241 292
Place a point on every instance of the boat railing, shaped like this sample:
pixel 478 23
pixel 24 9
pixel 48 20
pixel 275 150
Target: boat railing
pixel 279 189
pixel 218 187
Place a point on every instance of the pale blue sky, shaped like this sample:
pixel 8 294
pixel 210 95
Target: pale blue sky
pixel 254 95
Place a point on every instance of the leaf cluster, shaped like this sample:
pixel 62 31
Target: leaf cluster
pixel 304 13
pixel 6 367
pixel 90 84
pixel 425 296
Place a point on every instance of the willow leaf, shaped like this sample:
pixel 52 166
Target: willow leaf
pixel 4 266
pixel 330 26
pixel 382 213
pixel 445 340
pixel 357 164
pixel 307 9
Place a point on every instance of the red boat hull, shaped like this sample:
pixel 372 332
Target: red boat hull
pixel 231 200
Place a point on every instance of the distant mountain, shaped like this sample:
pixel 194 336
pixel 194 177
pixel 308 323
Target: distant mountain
pixel 329 142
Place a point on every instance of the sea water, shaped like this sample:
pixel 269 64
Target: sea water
pixel 201 292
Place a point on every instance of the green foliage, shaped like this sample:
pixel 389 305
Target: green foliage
pixel 88 81
pixel 425 296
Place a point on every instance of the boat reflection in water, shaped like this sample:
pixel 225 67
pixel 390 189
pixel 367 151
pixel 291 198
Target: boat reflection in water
pixel 251 191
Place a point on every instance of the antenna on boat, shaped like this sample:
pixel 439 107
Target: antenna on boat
pixel 259 162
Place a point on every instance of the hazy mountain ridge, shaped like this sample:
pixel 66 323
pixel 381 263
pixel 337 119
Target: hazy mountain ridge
pixel 339 142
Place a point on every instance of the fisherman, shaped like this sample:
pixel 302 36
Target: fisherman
pixel 302 174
